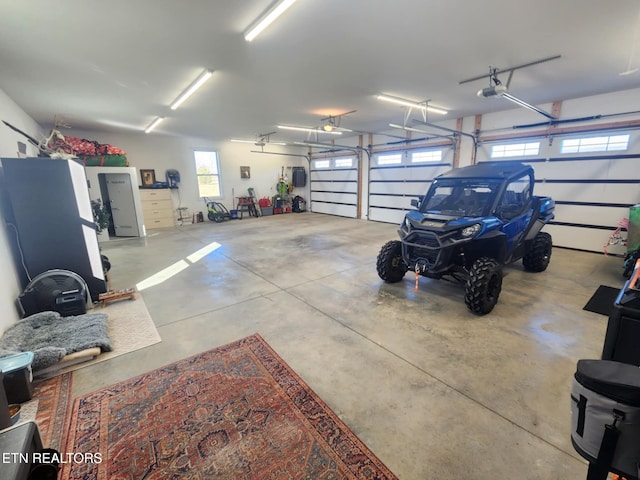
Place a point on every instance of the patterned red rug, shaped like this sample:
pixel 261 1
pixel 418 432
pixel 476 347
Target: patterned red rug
pixel 235 412
pixel 54 401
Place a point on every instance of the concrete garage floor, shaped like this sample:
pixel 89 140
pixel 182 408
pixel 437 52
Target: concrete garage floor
pixel 433 390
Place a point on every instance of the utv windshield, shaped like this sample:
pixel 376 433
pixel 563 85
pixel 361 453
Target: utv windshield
pixel 460 198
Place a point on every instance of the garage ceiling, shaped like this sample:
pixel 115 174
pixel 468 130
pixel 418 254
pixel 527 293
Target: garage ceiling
pixel 115 66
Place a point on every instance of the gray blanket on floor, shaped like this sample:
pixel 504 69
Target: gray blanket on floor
pixel 51 336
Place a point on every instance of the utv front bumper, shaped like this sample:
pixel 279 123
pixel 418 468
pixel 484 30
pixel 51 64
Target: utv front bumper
pixel 432 253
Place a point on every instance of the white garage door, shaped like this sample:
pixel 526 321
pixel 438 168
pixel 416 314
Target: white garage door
pixel 395 178
pixel 334 186
pixel 593 180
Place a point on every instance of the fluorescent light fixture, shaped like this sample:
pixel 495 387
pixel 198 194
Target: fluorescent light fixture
pixel 410 129
pixel 153 124
pixel 267 19
pixel 409 103
pixel 255 142
pixel 311 144
pixel 327 145
pixel 204 76
pixel 306 129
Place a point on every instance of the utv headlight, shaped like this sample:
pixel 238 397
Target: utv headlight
pixel 471 230
pixel 407 223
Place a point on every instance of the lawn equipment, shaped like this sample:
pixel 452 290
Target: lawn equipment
pixel 216 211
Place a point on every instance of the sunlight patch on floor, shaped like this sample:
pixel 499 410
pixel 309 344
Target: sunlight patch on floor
pixel 172 270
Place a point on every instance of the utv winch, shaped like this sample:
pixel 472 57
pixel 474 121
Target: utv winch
pixel 472 221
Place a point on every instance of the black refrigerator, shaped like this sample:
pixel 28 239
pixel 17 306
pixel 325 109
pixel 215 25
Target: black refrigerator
pixel 48 213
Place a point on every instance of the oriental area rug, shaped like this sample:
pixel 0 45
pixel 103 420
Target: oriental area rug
pixel 49 407
pixel 234 412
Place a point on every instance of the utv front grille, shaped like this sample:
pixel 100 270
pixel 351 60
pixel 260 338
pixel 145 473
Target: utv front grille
pixel 423 246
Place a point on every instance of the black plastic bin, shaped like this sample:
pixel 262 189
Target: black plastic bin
pixel 18 377
pixel 622 339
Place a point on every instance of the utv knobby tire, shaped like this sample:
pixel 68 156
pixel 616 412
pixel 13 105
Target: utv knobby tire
pixel 537 257
pixel 390 265
pixel 211 216
pixel 483 286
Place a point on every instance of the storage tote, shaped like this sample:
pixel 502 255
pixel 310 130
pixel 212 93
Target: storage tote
pixel 605 417
pixel 18 377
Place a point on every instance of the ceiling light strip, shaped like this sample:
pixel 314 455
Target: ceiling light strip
pixel 330 146
pixel 191 89
pixel 153 124
pixel 255 142
pixel 409 129
pixel 409 103
pixel 307 129
pixel 267 19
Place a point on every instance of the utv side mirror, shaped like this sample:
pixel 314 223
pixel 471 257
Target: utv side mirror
pixel 416 202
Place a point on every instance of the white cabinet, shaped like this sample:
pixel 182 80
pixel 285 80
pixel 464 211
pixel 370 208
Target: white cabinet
pixel 157 207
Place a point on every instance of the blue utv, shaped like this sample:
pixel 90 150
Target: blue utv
pixel 473 221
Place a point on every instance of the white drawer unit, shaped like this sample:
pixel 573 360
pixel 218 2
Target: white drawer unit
pixel 157 207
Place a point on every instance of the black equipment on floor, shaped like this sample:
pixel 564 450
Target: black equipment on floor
pixel 622 339
pixel 24 441
pixel 61 291
pixel 605 394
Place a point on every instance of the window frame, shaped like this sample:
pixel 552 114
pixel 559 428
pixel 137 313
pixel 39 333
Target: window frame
pixel 343 159
pixel 217 176
pixel 321 164
pixel 430 152
pixel 389 156
pixel 587 147
pixel 510 150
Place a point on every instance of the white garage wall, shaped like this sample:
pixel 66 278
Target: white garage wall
pixel 162 153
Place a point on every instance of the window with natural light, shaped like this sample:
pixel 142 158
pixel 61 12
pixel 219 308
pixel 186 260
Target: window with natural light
pixel 426 156
pixel 515 150
pixel 208 173
pixel 595 144
pixel 343 162
pixel 393 159
pixel 321 164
